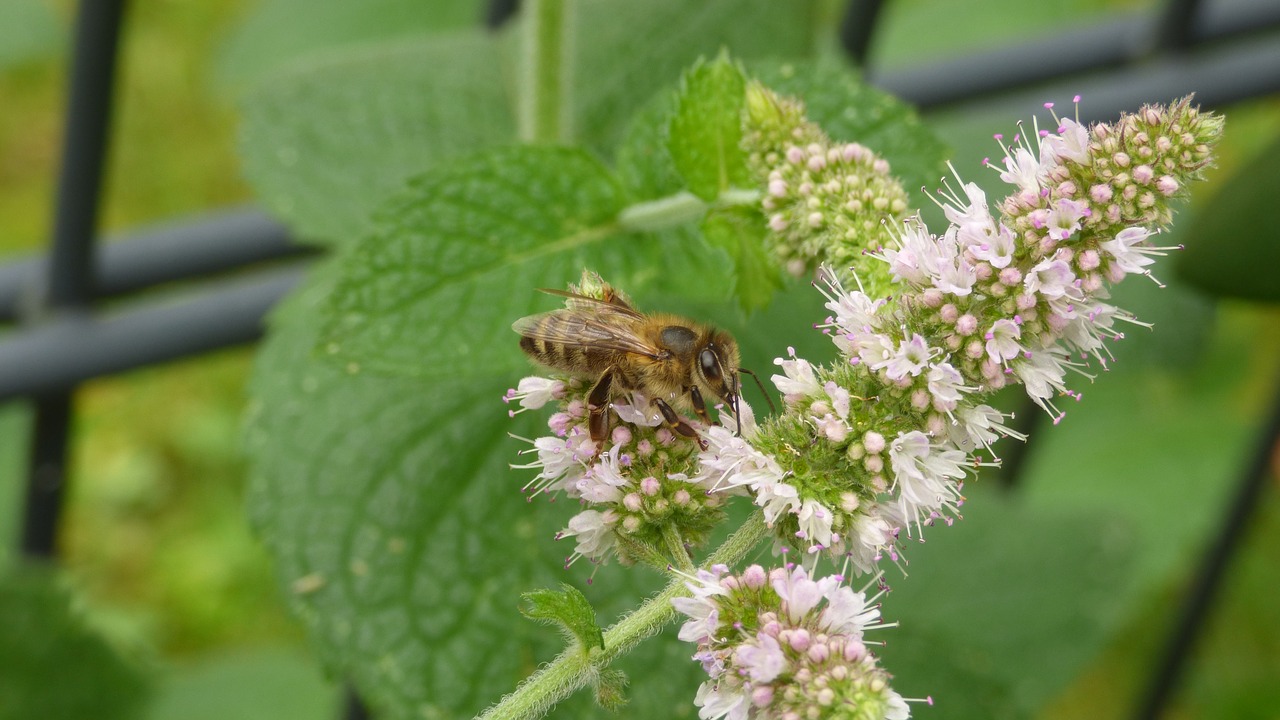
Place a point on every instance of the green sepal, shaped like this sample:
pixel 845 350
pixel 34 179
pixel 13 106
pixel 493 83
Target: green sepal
pixel 705 134
pixel 569 609
pixel 611 689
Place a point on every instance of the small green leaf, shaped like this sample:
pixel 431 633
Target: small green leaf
pixel 1231 249
pixel 327 142
pixel 705 134
pixel 740 232
pixel 52 665
pixel 568 608
pixel 611 689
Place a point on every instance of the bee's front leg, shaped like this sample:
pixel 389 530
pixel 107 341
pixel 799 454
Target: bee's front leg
pixel 598 408
pixel 699 406
pixel 677 423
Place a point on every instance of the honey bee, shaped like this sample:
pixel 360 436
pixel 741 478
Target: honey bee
pixel 668 358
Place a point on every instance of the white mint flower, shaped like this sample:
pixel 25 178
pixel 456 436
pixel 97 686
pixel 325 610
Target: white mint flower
pixel 1128 251
pixel 1050 278
pixel 815 524
pixel 1070 143
pixel 762 660
pixel 1022 169
pixel 980 425
pixel 1043 374
pixel 594 531
pixel 799 381
pixel 909 359
pixel 924 474
pixel 945 384
pixel 534 392
pixel 1002 340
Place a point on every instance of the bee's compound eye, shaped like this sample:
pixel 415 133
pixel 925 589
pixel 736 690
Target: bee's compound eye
pixel 710 364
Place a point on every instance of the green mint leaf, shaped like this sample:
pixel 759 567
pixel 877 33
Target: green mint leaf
pixel 1227 255
pixel 849 110
pixel 327 142
pixel 275 33
pixel 705 134
pixel 740 232
pixel 1056 571
pixel 45 639
pixel 460 255
pixel 568 608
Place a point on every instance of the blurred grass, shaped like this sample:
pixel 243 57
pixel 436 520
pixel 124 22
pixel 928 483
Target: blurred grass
pixel 155 538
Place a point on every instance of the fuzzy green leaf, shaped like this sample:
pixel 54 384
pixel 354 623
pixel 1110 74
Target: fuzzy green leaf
pixel 327 142
pixel 1051 574
pixel 278 32
pixel 45 640
pixel 1232 252
pixel 611 689
pixel 740 232
pixel 705 134
pixel 568 608
pixel 460 256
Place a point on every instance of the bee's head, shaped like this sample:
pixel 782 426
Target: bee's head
pixel 719 374
pixel 716 367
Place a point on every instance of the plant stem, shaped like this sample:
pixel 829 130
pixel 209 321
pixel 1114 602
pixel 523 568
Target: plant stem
pixel 571 670
pixel 544 84
pixel 678 209
pixel 675 547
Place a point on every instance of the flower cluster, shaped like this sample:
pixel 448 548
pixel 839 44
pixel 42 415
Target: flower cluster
pixel 880 442
pixel 780 644
pixel 640 480
pixel 826 202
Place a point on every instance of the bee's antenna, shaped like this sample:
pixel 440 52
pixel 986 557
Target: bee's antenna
pixel 759 385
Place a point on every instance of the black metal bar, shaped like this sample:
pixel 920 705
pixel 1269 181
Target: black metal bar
pixel 71 349
pixel 1014 453
pixel 498 12
pixel 71 258
pixel 1213 568
pixel 1244 70
pixel 858 28
pixel 220 242
pixel 1175 31
pixel 85 150
pixel 1070 53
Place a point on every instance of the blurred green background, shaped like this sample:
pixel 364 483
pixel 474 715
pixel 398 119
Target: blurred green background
pixel 159 558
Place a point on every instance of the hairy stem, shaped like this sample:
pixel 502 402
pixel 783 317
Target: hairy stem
pixel 571 670
pixel 675 547
pixel 543 99
pixel 680 208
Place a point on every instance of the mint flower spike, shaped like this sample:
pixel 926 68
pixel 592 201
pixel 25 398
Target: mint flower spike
pixel 826 202
pixel 878 444
pixel 780 644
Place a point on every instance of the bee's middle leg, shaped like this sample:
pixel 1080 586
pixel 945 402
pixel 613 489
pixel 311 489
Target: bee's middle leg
pixel 677 423
pixel 598 408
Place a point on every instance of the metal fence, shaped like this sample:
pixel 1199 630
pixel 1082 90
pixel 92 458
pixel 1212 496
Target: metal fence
pixel 1225 52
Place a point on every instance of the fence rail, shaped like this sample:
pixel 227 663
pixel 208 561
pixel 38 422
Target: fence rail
pixel 1226 52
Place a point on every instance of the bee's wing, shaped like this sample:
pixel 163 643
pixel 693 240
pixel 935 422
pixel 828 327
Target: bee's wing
pixel 590 304
pixel 606 327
